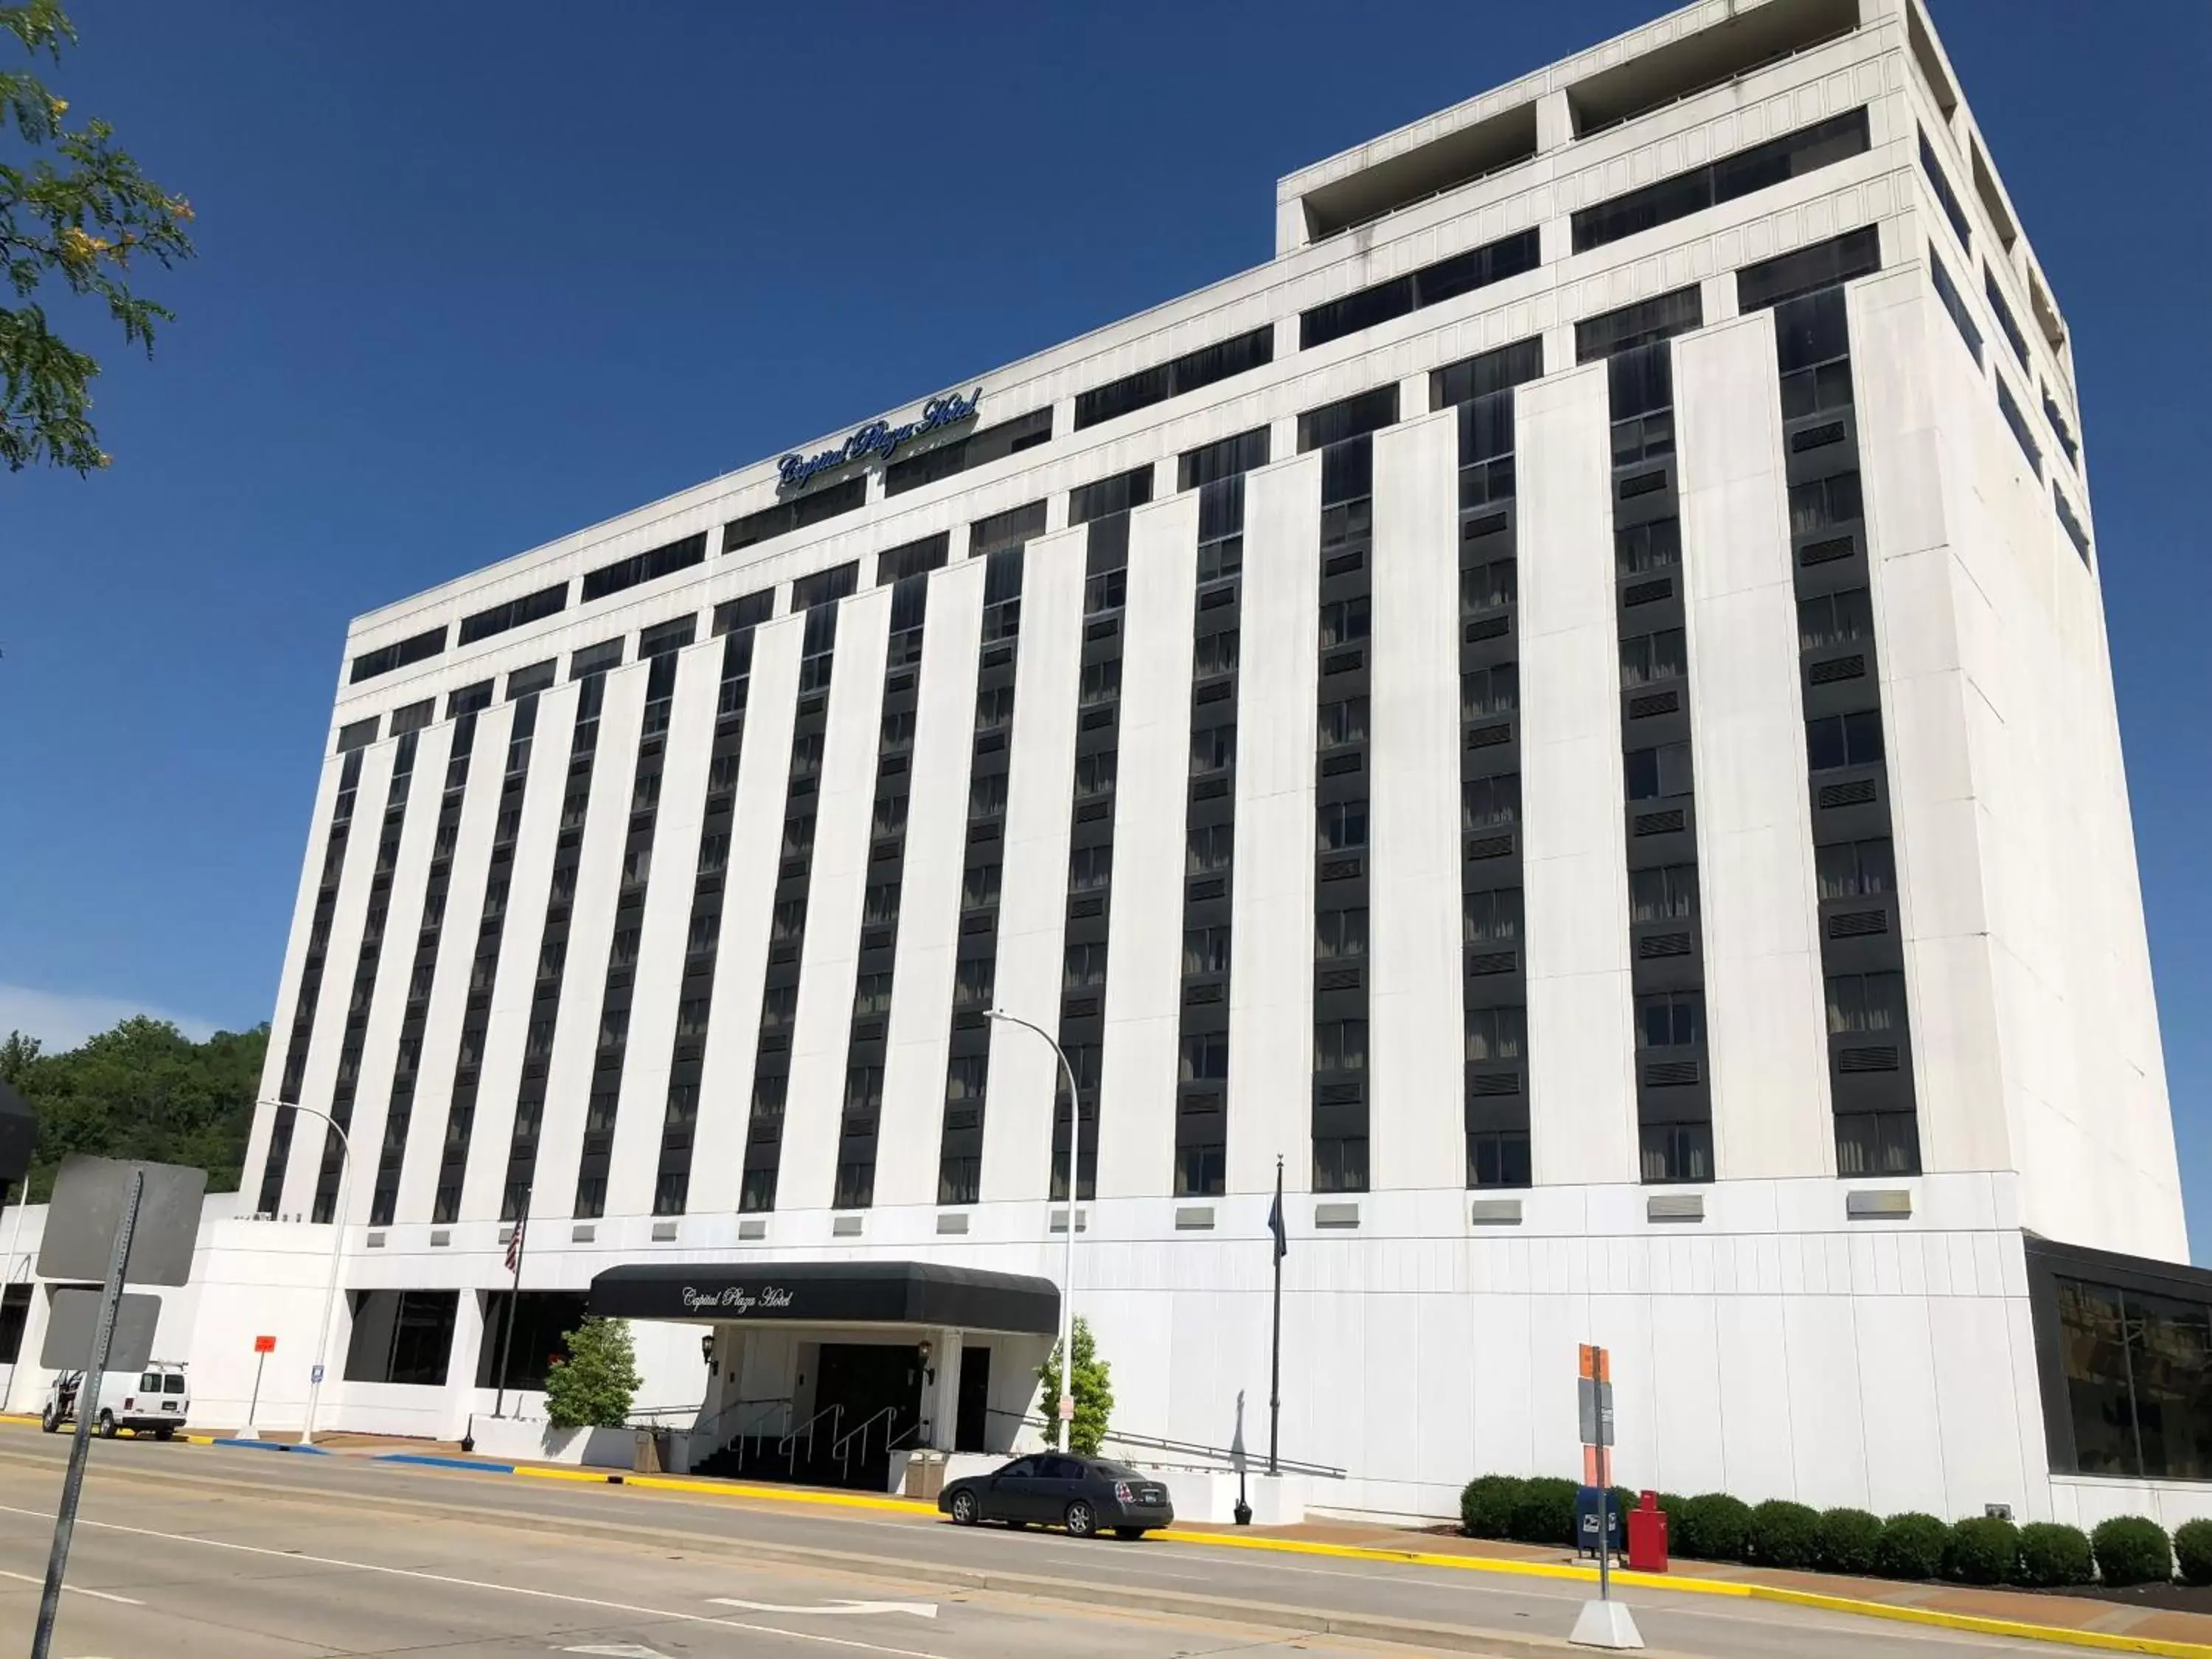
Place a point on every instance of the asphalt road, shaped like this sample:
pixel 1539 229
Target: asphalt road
pixel 204 1553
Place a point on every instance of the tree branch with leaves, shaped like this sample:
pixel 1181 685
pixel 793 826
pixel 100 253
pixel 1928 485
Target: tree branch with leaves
pixel 76 212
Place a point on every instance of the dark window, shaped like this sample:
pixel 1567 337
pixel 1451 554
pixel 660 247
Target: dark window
pixel 665 637
pixel 1839 740
pixel 1822 504
pixel 543 1320
pixel 1227 458
pixel 787 516
pixel 469 700
pixel 1823 265
pixel 2138 1374
pixel 1490 803
pixel 1446 279
pixel 524 682
pixel 413 718
pixel 914 558
pixel 1955 303
pixel 644 566
pixel 1187 373
pixel 546 602
pixel 1659 318
pixel 1827 619
pixel 1645 547
pixel 1352 418
pixel 1660 772
pixel 1946 197
pixel 370 663
pixel 992 443
pixel 1472 378
pixel 1340 826
pixel 1496 1034
pixel 1855 869
pixel 404 1337
pixel 14 1313
pixel 2053 414
pixel 1002 531
pixel 1670 1019
pixel 1110 495
pixel 1338 935
pixel 750 611
pixel 1490 917
pixel 594 659
pixel 2010 410
pixel 1791 156
pixel 1862 1003
pixel 1667 893
pixel 2003 312
pixel 1659 655
pixel 357 735
pixel 824 587
pixel 1339 1045
pixel 2069 523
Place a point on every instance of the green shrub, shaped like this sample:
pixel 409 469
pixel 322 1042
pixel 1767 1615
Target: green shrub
pixel 2132 1549
pixel 1911 1547
pixel 2053 1554
pixel 594 1387
pixel 2192 1549
pixel 1984 1549
pixel 1485 1508
pixel 1712 1526
pixel 1782 1534
pixel 1546 1512
pixel 1845 1541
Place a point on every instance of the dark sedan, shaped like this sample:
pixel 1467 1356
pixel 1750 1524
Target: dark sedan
pixel 1087 1495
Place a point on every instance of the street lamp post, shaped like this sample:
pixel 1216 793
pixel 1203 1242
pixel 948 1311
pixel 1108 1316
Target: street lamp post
pixel 1066 1404
pixel 337 1251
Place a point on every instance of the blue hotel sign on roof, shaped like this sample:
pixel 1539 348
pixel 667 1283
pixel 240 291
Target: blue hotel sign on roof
pixel 877 441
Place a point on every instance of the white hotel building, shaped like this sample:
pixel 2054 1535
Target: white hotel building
pixel 1570 707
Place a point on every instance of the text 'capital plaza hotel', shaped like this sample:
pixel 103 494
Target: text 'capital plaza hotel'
pixel 1572 705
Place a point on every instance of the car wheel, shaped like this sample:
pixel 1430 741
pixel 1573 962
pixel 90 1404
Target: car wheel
pixel 107 1425
pixel 963 1509
pixel 1082 1520
pixel 50 1420
pixel 1131 1533
pixel 165 1433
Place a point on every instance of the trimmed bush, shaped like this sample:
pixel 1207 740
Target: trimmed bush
pixel 1984 1549
pixel 1911 1547
pixel 1486 1506
pixel 1546 1512
pixel 2053 1554
pixel 1712 1526
pixel 2132 1549
pixel 2192 1549
pixel 1783 1535
pixel 1846 1539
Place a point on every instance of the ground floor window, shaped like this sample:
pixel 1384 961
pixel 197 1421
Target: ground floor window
pixel 2138 1370
pixel 15 1310
pixel 543 1320
pixel 401 1336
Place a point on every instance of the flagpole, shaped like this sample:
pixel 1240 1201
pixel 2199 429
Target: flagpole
pixel 513 1303
pixel 1275 1368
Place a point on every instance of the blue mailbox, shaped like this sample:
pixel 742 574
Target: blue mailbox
pixel 1590 1503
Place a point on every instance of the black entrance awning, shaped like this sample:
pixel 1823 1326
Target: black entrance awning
pixel 830 1292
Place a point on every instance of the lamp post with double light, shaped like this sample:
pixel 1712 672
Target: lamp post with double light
pixel 338 1252
pixel 1065 1407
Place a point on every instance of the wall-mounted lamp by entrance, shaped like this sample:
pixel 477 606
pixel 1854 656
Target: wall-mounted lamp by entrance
pixel 921 1352
pixel 706 1347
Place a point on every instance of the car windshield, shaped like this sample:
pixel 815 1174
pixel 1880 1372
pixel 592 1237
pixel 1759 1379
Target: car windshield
pixel 1115 1471
pixel 172 1385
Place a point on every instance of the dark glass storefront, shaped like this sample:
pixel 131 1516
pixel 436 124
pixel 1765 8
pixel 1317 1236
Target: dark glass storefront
pixel 2123 1346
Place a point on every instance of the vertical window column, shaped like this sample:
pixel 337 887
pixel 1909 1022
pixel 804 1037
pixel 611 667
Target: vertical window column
pixel 787 937
pixel 660 646
pixel 301 1038
pixel 1103 509
pixel 1861 944
pixel 408 723
pixel 735 620
pixel 1201 1121
pixel 462 707
pixel 867 1042
pixel 998 540
pixel 1495 979
pixel 523 688
pixel 1674 1091
pixel 589 669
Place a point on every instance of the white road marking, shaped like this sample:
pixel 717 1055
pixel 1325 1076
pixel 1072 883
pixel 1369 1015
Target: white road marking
pixel 621 1650
pixel 74 1589
pixel 920 1609
pixel 483 1584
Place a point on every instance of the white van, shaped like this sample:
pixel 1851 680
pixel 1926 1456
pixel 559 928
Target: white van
pixel 156 1400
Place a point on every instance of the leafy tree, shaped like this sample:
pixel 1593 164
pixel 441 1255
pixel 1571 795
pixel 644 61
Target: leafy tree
pixel 142 1090
pixel 595 1385
pixel 79 224
pixel 1093 1389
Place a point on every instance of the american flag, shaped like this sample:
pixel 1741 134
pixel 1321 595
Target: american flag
pixel 514 1243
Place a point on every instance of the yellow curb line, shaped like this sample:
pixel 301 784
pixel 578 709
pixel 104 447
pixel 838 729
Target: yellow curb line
pixel 1975 1623
pixel 720 1489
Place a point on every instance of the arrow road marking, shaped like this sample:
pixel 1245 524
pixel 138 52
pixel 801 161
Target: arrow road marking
pixel 920 1609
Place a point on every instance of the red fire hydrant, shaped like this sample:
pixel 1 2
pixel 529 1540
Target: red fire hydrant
pixel 1647 1535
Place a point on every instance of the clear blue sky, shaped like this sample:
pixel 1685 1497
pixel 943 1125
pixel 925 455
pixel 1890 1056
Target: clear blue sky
pixel 472 277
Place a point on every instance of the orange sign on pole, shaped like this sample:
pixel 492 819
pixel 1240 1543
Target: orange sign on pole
pixel 265 1345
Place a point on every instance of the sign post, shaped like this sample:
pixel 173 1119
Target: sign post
pixel 1604 1623
pixel 263 1347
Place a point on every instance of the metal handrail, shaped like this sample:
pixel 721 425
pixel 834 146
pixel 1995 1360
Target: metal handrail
pixel 861 1431
pixel 1188 1449
pixel 789 1443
